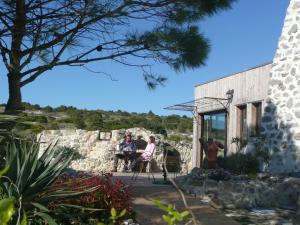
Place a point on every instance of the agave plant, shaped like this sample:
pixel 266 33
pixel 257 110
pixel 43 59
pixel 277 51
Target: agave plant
pixel 29 177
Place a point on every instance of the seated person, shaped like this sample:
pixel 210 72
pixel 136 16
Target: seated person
pixel 147 154
pixel 127 152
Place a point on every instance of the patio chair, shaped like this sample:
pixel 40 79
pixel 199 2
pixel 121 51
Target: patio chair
pixel 148 164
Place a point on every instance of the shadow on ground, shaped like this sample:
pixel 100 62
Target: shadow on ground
pixel 144 191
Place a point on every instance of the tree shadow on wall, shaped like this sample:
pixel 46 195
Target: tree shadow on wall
pixel 281 139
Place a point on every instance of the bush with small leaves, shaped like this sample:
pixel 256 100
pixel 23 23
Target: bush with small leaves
pixel 173 215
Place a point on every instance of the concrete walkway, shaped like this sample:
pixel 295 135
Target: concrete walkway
pixel 147 214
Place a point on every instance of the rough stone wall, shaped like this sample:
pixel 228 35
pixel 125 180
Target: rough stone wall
pixel 281 119
pixel 97 155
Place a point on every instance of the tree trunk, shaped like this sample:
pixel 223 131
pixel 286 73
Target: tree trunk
pixel 14 103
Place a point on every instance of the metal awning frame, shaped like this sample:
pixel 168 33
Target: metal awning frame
pixel 205 102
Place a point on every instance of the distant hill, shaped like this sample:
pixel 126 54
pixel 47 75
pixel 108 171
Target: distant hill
pixel 36 118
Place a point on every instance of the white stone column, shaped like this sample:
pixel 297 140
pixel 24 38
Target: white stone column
pixel 281 119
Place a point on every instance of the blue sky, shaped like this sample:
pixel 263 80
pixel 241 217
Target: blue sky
pixel 240 38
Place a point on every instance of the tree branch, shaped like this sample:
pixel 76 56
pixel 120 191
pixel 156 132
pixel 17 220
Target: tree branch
pixel 39 70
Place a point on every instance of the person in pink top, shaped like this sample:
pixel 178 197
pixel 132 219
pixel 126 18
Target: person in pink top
pixel 147 154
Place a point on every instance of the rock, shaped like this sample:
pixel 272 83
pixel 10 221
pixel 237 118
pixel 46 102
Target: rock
pixel 198 191
pixel 267 119
pixel 211 186
pixel 293 29
pixel 218 174
pixel 263 176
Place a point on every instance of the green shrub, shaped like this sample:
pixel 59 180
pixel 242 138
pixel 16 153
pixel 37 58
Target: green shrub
pixel 174 137
pixel 52 126
pixel 32 177
pixel 77 119
pixel 239 142
pixel 7 210
pixel 33 118
pixel 173 216
pixel 48 108
pixel 240 163
pixel 29 106
pixel 37 128
pixel 178 138
pixel 41 119
pixel 66 120
pixel 23 126
pixel 94 121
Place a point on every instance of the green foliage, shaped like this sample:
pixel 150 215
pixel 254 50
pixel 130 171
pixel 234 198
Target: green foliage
pixel 7 210
pixel 195 10
pixel 65 117
pixel 77 119
pixel 93 120
pixel 114 216
pixel 239 142
pixel 52 126
pixel 48 109
pixel 34 118
pixel 178 138
pixel 37 128
pixel 23 126
pixel 29 106
pixel 173 215
pixel 240 163
pixel 247 163
pixel 41 119
pixel 32 176
pixel 8 205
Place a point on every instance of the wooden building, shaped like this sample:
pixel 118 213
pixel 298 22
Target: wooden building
pixel 228 108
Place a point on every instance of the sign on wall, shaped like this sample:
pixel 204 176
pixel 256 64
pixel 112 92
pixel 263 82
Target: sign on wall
pixel 104 135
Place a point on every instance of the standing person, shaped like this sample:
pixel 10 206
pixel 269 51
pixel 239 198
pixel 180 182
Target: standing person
pixel 147 154
pixel 128 149
pixel 212 152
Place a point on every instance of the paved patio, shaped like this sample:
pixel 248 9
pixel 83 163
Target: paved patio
pixel 144 191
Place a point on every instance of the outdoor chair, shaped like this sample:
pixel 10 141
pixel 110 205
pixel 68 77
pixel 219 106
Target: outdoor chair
pixel 145 164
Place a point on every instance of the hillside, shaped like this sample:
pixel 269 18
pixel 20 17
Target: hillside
pixel 35 119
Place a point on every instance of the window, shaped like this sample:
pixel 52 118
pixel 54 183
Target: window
pixel 256 118
pixel 242 122
pixel 215 127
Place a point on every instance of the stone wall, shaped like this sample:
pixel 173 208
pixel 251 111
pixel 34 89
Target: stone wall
pixel 96 148
pixel 281 119
pixel 236 192
pixel 240 191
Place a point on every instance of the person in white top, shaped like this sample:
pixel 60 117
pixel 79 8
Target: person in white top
pixel 148 152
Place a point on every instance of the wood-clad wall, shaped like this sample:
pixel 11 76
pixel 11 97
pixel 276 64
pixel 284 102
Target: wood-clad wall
pixel 249 86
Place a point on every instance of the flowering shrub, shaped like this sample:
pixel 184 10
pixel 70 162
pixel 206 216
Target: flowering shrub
pixel 109 193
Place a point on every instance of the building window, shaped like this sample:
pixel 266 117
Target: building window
pixel 242 122
pixel 256 118
pixel 215 127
